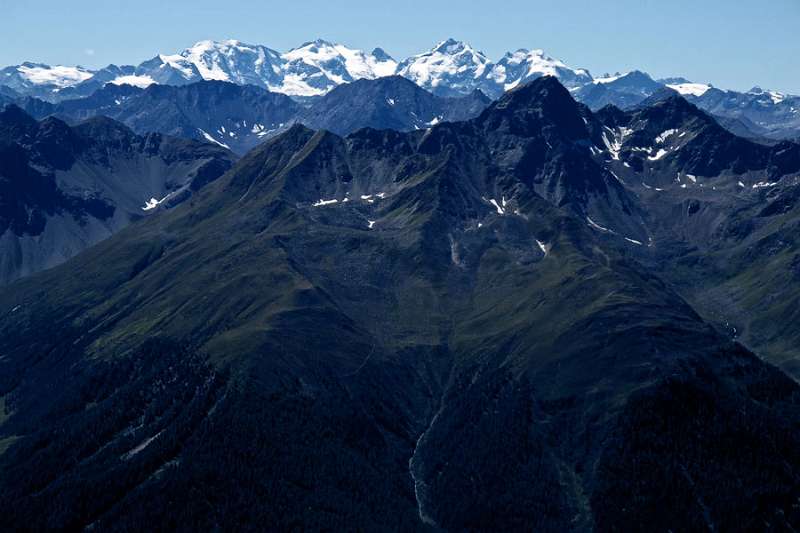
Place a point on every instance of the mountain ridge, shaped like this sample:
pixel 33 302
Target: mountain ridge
pixel 450 68
pixel 366 325
pixel 65 187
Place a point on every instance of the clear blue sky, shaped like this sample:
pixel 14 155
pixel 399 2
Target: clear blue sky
pixel 731 43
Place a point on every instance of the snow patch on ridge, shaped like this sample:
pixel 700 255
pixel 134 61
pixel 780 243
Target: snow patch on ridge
pixel 134 80
pixel 58 75
pixel 693 89
pixel 321 202
pixel 213 140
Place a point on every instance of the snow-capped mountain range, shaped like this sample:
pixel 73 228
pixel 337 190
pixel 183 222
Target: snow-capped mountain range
pixel 312 69
pixel 451 68
pixel 316 67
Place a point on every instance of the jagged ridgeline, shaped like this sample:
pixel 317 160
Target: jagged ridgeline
pixel 64 188
pixel 454 328
pixel 450 69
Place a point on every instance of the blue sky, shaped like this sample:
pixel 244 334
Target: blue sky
pixel 732 44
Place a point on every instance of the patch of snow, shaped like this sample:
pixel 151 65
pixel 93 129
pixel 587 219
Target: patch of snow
pixel 634 241
pixel 179 63
pixel 134 80
pixel 762 184
pixel 608 79
pixel 542 246
pixel 152 203
pixel 614 145
pixel 500 210
pixel 661 153
pixel 663 136
pixel 693 89
pixel 322 202
pixel 57 75
pixel 597 226
pixel 213 140
pixel 776 97
pixel 144 444
pixel 371 223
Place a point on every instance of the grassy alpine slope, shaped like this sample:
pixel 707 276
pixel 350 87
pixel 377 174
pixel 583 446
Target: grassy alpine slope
pixel 442 347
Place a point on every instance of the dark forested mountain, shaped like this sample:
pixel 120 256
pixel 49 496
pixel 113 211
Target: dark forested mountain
pixel 65 188
pixel 756 113
pixel 723 215
pixel 457 328
pixel 625 90
pixel 7 96
pixel 239 117
pixel 392 102
pixel 767 113
pixel 233 116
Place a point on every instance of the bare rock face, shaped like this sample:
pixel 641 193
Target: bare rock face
pixel 65 188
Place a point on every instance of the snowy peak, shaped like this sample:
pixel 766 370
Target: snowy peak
pixel 56 77
pixel 316 67
pixel 228 60
pixel 451 67
pixel 455 67
pixel 775 96
pixel 451 46
pixel 232 60
pixel 525 65
pixel 686 87
pixel 312 69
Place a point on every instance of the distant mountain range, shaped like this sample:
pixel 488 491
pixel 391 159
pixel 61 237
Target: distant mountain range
pixel 313 69
pixel 451 68
pixel 239 117
pixel 756 113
